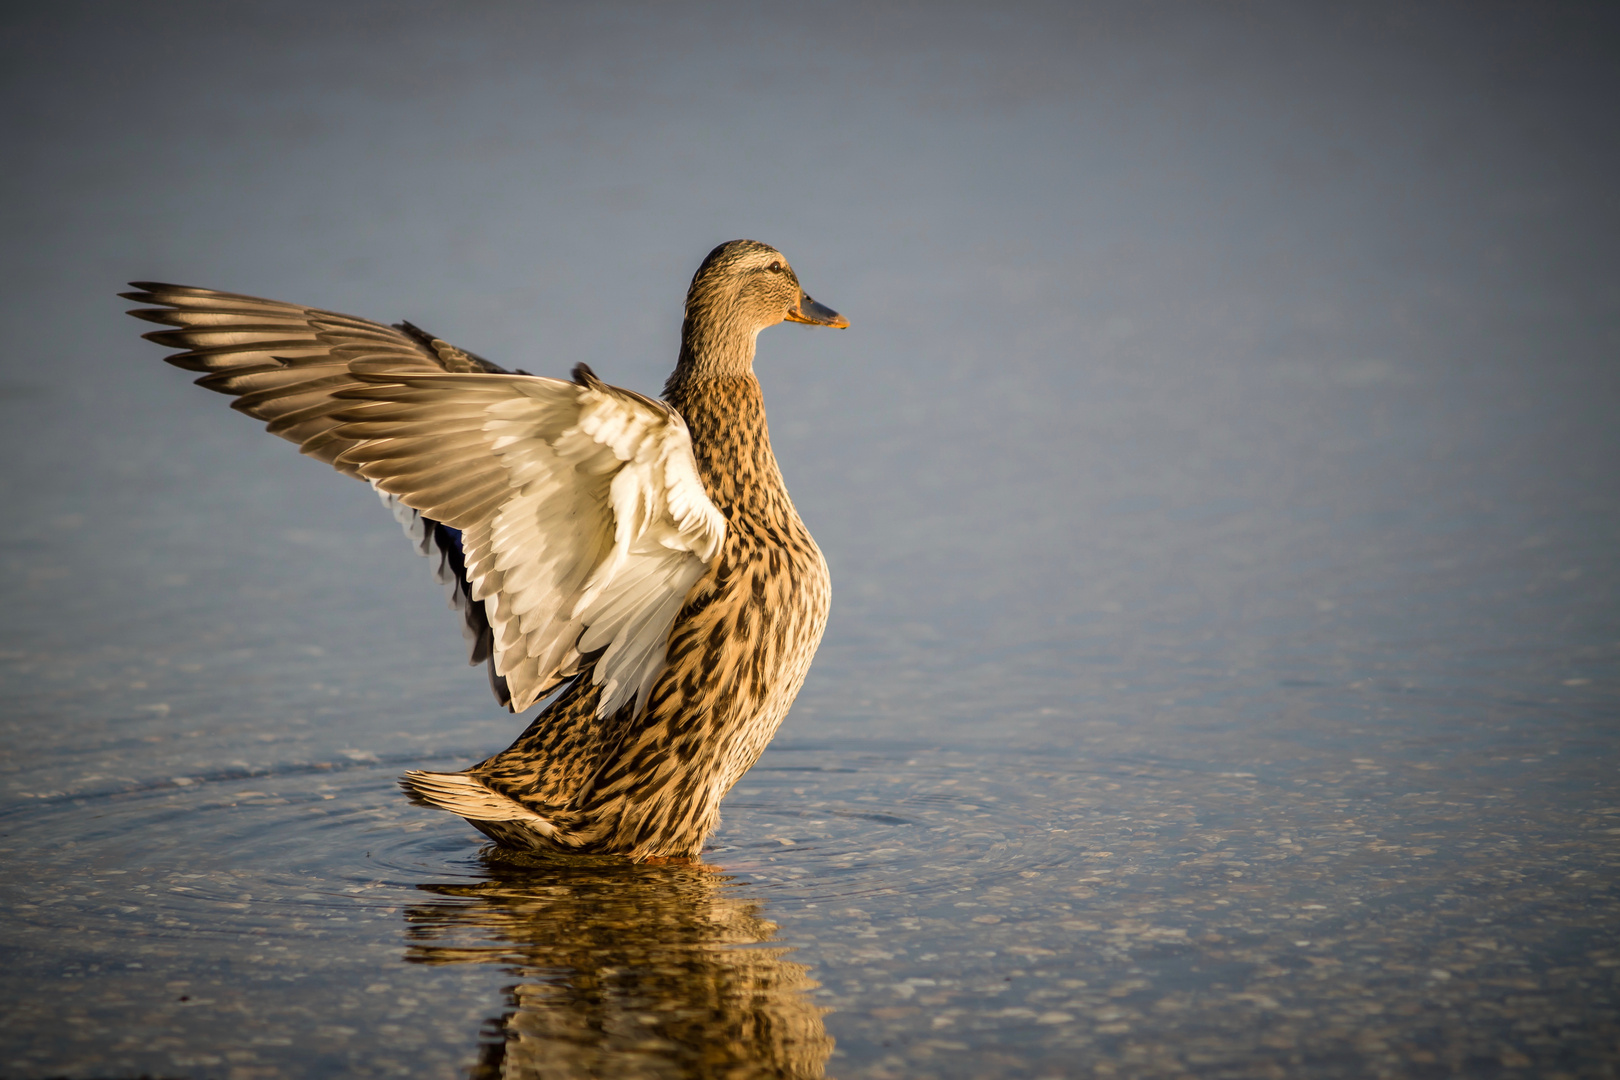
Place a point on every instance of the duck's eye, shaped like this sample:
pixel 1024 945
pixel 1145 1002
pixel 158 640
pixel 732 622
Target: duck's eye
pixel 775 268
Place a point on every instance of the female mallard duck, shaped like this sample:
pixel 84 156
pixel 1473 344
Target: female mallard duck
pixel 642 556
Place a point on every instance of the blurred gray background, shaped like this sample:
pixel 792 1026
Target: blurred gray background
pixel 1200 353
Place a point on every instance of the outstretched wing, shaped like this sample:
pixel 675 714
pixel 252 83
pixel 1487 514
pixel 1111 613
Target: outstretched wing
pixel 568 518
pixel 284 363
pixel 583 522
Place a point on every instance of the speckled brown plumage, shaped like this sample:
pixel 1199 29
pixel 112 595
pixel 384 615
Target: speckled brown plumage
pixel 738 654
pixel 639 560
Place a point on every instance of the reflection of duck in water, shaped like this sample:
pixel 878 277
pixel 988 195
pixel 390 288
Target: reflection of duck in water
pixel 642 556
pixel 626 971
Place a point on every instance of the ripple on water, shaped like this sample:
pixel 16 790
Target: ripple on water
pixel 300 850
pixel 847 828
pixel 283 853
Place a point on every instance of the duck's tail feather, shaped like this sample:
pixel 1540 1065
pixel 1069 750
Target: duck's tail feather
pixel 464 794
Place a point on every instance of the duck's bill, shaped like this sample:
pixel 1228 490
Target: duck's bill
pixel 808 311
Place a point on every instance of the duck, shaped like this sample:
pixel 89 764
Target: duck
pixel 633 565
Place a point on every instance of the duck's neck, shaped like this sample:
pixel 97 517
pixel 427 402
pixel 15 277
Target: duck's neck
pixel 715 343
pixel 732 444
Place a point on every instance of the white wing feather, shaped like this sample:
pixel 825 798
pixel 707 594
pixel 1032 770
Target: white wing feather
pixel 584 523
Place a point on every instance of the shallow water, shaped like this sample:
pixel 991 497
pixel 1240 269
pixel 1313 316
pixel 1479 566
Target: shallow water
pixel 1217 481
pixel 1025 910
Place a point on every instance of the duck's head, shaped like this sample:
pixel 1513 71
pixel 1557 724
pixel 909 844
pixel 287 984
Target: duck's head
pixel 743 287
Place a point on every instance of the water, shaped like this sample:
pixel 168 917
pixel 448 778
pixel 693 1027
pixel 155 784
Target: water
pixel 1217 481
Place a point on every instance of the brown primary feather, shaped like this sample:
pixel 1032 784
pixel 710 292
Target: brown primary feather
pixel 284 363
